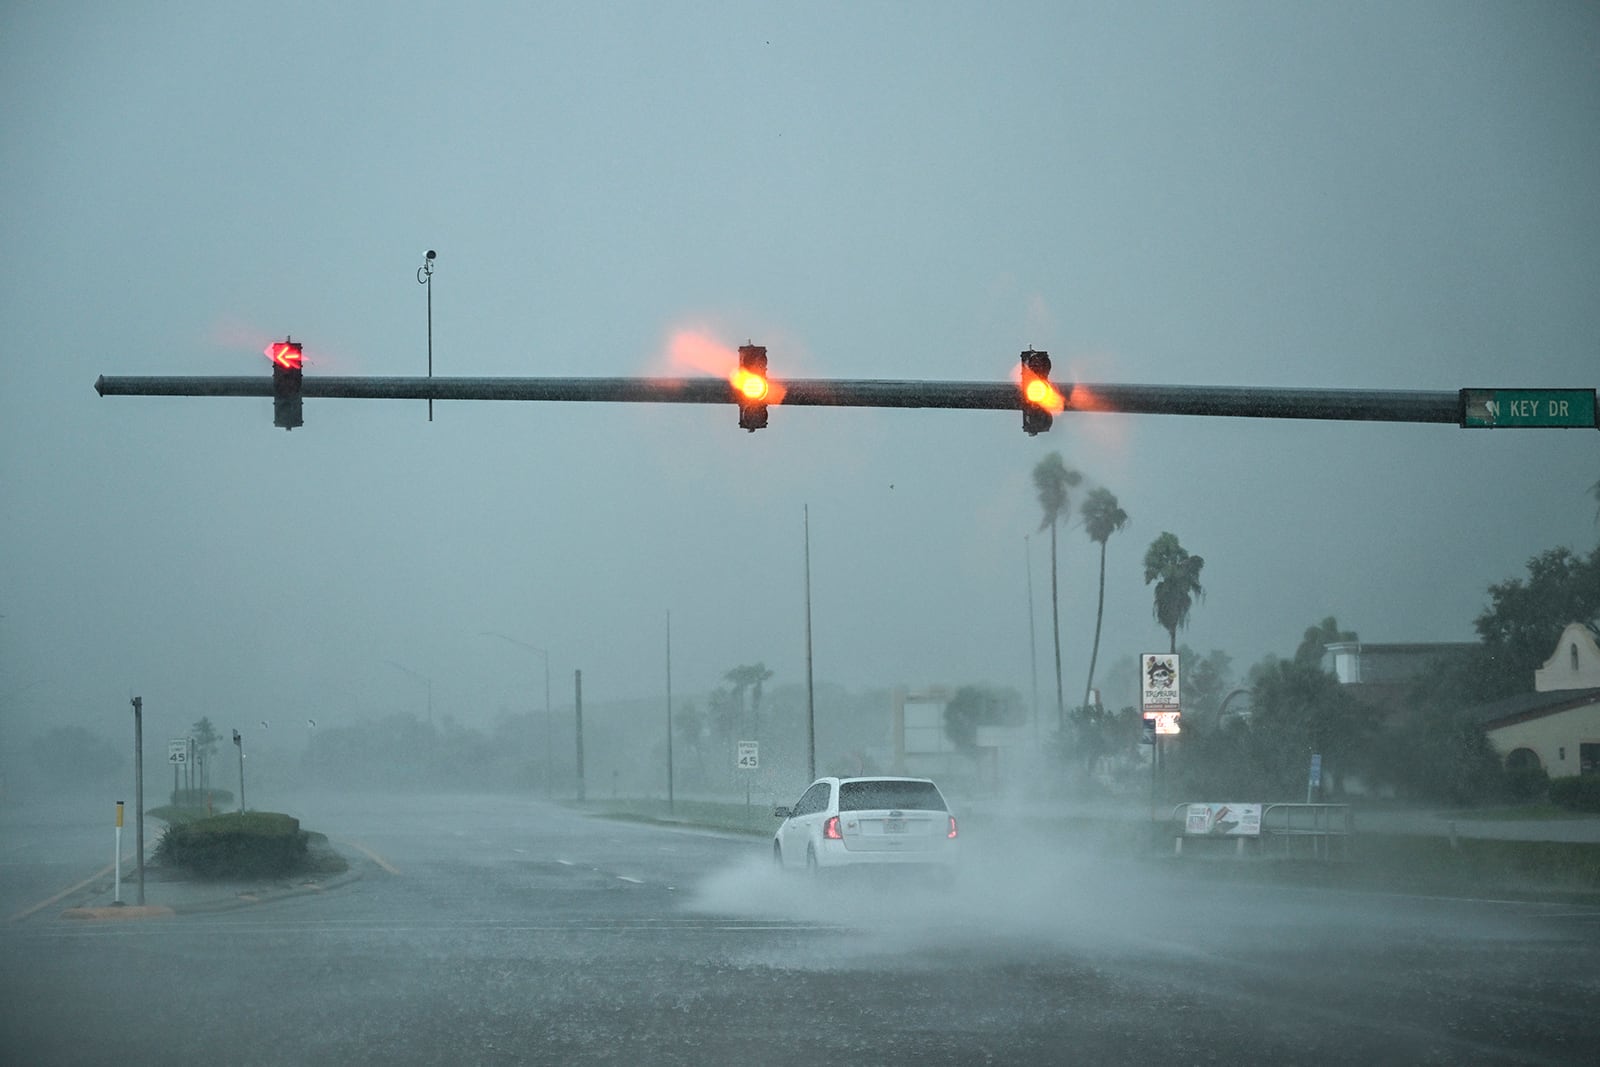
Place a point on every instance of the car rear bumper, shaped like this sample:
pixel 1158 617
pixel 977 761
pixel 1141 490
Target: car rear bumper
pixel 835 854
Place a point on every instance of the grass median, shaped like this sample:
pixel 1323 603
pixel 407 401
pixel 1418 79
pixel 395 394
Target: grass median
pixel 1384 862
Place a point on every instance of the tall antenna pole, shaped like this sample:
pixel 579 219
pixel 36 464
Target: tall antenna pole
pixel 425 277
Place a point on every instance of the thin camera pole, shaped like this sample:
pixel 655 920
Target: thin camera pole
pixel 425 277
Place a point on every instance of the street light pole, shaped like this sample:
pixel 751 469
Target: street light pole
pixel 811 699
pixel 669 713
pixel 238 743
pixel 138 785
pixel 577 691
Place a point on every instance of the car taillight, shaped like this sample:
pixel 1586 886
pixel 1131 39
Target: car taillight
pixel 830 829
pixel 952 834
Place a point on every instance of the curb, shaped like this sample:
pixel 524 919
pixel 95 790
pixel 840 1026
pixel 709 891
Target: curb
pixel 242 899
pixel 112 912
pixel 264 896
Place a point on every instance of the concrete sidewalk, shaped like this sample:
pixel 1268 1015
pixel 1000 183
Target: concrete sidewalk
pixel 1460 823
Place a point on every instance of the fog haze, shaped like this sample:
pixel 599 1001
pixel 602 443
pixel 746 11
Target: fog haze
pixel 1364 196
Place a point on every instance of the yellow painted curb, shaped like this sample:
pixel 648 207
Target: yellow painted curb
pixel 136 911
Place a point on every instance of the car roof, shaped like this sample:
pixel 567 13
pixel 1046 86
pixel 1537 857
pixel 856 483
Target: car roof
pixel 876 778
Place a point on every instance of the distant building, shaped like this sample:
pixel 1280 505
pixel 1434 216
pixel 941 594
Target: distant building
pixel 1382 675
pixel 922 746
pixel 1557 726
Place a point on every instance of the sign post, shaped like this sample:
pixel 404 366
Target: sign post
pixel 1159 704
pixel 178 756
pixel 748 759
pixel 116 895
pixel 1315 778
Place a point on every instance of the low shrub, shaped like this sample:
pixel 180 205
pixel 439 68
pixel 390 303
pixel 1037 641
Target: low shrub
pixel 1526 783
pixel 1578 793
pixel 251 844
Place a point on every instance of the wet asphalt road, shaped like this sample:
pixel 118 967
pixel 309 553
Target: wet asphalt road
pixel 501 931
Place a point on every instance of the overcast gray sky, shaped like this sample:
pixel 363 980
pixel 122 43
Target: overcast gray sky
pixel 1366 195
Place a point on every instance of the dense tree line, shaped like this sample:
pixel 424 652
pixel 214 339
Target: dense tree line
pixel 1432 747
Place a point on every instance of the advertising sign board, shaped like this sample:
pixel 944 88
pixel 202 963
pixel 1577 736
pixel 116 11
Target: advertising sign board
pixel 1158 682
pixel 1223 820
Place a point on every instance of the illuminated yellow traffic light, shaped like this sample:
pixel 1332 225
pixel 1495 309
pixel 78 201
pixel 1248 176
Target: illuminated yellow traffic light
pixel 751 387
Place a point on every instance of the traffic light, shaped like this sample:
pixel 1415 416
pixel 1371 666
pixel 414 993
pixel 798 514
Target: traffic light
pixel 1039 398
pixel 751 387
pixel 286 359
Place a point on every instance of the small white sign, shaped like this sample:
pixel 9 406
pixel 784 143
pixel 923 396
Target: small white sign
pixel 749 756
pixel 178 750
pixel 1167 723
pixel 1158 682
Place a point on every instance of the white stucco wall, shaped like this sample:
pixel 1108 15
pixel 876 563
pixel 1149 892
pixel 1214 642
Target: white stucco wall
pixel 1553 738
pixel 1575 664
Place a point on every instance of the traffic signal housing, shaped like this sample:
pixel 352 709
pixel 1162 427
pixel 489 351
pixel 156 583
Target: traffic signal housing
pixel 287 359
pixel 1039 398
pixel 750 387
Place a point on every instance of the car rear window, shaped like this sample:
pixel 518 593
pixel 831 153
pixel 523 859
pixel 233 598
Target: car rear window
pixel 894 796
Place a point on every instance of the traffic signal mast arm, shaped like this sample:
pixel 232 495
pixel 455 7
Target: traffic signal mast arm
pixel 1371 405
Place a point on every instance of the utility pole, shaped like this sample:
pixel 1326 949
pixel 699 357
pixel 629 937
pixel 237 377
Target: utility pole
pixel 1033 642
pixel 138 786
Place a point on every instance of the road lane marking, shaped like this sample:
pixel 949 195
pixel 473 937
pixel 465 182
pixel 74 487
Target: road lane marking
pixel 101 873
pixel 371 855
pixel 104 871
pixel 625 878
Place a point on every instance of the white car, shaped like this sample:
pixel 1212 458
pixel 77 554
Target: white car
pixel 866 822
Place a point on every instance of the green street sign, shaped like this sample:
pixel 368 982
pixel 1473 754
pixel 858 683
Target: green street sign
pixel 1493 408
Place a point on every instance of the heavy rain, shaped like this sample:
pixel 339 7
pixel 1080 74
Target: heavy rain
pixel 1183 647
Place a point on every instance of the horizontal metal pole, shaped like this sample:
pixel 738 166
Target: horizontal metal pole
pixel 1376 405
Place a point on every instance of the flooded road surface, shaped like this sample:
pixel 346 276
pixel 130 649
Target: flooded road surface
pixel 493 930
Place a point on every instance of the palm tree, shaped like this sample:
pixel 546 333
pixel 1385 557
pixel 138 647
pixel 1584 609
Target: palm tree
pixel 749 676
pixel 1052 477
pixel 1177 577
pixel 1102 517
